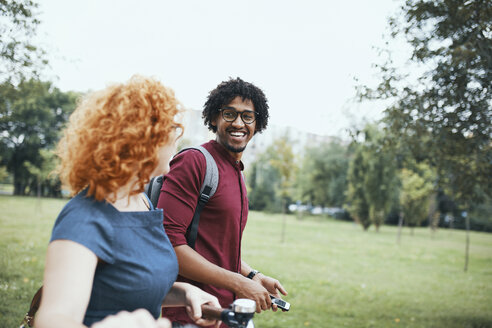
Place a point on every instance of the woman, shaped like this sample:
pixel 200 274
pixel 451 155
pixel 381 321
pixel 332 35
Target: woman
pixel 109 262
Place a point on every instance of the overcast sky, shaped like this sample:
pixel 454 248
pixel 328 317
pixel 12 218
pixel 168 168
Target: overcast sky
pixel 303 54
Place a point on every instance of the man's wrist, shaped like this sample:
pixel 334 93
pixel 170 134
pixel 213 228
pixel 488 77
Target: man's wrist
pixel 252 274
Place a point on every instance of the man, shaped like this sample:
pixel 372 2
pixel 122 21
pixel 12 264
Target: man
pixel 235 111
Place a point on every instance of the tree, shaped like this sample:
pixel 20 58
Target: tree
pixel 450 101
pixel 262 179
pixel 324 174
pixel 357 204
pixel 43 174
pixel 372 179
pixel 415 194
pixel 272 176
pixel 282 159
pixel 19 57
pixel 3 171
pixel 380 183
pixel 31 116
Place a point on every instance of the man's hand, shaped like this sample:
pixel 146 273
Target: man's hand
pixel 259 289
pixel 250 289
pixel 272 285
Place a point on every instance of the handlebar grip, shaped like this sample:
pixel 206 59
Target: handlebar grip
pixel 211 312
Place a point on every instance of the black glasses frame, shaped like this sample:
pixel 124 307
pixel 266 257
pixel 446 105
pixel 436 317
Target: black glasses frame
pixel 255 114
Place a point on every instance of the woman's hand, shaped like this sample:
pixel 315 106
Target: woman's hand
pixel 137 319
pixel 194 299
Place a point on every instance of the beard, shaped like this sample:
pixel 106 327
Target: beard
pixel 235 149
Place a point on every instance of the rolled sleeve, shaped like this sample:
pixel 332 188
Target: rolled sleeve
pixel 179 194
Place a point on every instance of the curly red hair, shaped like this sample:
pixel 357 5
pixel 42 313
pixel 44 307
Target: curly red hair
pixel 114 136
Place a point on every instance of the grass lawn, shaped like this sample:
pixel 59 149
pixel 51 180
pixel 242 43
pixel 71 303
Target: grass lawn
pixel 336 274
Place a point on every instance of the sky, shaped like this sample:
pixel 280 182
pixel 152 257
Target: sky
pixel 305 55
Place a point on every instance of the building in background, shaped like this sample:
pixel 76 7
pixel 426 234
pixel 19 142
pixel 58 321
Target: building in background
pixel 195 132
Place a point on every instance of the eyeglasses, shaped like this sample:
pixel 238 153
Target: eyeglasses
pixel 230 115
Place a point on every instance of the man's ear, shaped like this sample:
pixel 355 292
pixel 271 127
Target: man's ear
pixel 213 121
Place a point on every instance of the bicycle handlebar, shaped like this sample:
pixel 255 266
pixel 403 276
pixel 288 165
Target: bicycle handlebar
pixel 240 314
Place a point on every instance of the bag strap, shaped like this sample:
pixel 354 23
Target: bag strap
pixel 207 190
pixel 153 189
pixel 29 317
pixel 209 186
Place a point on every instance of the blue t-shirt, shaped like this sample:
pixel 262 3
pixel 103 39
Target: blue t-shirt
pixel 140 265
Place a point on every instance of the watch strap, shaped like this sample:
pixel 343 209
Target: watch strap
pixel 252 274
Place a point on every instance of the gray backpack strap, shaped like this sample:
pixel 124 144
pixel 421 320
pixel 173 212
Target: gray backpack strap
pixel 153 189
pixel 212 171
pixel 209 186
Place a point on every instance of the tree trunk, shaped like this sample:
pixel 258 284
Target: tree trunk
pixel 18 188
pixel 451 222
pixel 38 192
pixel 467 246
pixel 38 195
pixel 300 212
pixel 400 225
pixel 284 222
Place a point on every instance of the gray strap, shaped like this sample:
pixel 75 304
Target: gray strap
pixel 209 186
pixel 153 189
pixel 207 190
pixel 211 178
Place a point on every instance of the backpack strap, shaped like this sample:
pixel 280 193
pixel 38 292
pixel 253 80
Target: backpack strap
pixel 29 317
pixel 153 189
pixel 209 186
pixel 207 190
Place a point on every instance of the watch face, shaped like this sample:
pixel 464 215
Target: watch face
pixel 252 274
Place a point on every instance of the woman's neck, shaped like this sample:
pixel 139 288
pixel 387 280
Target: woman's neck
pixel 133 203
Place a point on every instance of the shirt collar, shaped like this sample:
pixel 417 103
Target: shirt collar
pixel 227 156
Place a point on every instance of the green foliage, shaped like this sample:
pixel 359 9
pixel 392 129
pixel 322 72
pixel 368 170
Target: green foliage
pixel 415 194
pixel 272 176
pixel 262 179
pixel 31 117
pixel 357 204
pixel 44 173
pixel 3 171
pixel 19 57
pixel 380 182
pixel 336 276
pixel 479 215
pixel 282 159
pixel 372 179
pixel 323 177
pixel 444 117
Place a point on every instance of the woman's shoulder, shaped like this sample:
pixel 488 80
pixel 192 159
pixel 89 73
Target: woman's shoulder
pixel 87 222
pixel 85 208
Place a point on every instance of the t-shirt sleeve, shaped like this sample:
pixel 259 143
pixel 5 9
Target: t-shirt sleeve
pixel 88 228
pixel 179 194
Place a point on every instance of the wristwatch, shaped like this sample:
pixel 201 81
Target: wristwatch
pixel 252 274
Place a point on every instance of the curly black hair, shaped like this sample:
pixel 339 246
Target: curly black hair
pixel 226 91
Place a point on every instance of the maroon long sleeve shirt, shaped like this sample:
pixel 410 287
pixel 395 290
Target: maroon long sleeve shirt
pixel 222 220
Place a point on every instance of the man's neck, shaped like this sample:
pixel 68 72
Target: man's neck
pixel 236 155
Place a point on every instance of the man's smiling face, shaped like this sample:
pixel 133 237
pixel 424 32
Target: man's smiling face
pixel 234 136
